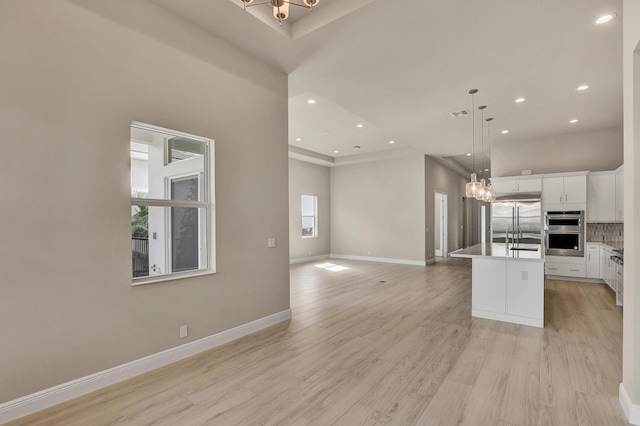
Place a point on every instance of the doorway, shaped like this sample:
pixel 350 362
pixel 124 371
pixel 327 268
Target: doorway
pixel 440 224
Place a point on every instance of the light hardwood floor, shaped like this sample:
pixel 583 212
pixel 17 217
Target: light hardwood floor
pixel 386 344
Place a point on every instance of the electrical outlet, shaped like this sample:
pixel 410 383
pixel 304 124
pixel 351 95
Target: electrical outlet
pixel 271 242
pixel 183 331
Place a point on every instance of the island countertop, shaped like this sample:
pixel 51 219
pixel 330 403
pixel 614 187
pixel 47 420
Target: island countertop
pixel 502 251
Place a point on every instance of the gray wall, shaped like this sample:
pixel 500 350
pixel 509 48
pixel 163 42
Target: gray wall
pixel 309 179
pixel 378 210
pixel 71 82
pixel 595 151
pixel 442 179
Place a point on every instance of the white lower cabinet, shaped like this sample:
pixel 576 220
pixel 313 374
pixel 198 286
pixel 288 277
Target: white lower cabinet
pixel 575 267
pixel 508 290
pixel 593 261
pixel 524 297
pixel 489 285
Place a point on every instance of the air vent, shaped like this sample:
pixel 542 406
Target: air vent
pixel 460 113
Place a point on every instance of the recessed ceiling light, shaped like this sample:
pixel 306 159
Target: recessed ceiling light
pixel 468 154
pixel 336 151
pixel 604 19
pixel 486 170
pixel 392 142
pixel 298 139
pixel 583 87
pixel 575 120
pixel 505 131
pixel 359 126
pixel 519 100
pixel 311 101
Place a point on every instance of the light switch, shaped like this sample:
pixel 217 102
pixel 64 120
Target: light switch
pixel 271 242
pixel 524 275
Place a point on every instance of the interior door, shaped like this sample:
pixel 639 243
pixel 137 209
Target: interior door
pixel 440 224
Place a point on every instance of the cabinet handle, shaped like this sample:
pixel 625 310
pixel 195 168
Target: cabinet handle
pixel 560 197
pixel 552 269
pixel 574 270
pixel 566 197
pixel 589 257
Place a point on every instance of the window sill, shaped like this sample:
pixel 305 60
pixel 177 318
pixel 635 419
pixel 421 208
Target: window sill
pixel 310 236
pixel 171 277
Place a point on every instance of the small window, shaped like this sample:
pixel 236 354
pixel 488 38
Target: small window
pixel 171 204
pixel 309 216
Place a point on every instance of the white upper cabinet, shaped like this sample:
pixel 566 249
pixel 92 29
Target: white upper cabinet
pixel 620 193
pixel 601 197
pixel 565 190
pixel 516 185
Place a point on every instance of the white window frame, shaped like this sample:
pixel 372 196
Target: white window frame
pixel 207 260
pixel 314 216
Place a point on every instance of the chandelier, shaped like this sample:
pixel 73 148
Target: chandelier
pixel 281 7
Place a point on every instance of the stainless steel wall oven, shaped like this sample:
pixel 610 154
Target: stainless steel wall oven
pixel 564 233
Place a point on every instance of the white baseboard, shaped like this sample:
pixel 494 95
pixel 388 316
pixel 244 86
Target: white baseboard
pixel 308 259
pixel 430 261
pixel 631 411
pixel 48 397
pixel 379 259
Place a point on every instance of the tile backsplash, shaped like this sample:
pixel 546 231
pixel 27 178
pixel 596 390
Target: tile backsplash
pixel 605 232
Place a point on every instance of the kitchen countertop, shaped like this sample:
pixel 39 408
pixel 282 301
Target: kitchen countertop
pixel 500 251
pixel 617 246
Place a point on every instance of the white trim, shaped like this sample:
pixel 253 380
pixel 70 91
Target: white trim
pixel 630 410
pixel 308 259
pixel 379 259
pixel 533 322
pixel 573 279
pixel 55 395
pixel 430 261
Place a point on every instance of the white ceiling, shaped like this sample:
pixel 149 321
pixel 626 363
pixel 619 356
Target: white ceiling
pixel 401 67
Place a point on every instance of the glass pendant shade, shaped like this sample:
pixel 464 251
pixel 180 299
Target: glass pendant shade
pixel 311 3
pixel 471 189
pixel 481 190
pixel 487 194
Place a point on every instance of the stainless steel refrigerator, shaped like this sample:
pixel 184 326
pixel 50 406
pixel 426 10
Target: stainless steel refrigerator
pixel 516 220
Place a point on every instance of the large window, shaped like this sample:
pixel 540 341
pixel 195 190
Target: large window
pixel 309 216
pixel 171 204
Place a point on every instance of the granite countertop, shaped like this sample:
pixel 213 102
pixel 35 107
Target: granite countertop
pixel 501 251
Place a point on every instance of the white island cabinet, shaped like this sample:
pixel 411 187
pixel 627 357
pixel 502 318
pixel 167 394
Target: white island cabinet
pixel 507 285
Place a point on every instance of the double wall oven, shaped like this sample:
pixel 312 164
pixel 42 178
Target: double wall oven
pixel 564 233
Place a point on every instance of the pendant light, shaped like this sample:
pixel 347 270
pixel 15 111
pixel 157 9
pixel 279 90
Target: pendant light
pixel 490 194
pixel 471 188
pixel 483 186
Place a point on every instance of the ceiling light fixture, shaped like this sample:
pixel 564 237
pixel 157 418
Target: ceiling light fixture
pixel 583 87
pixel 281 7
pixel 359 126
pixel 505 131
pixel 336 151
pixel 311 101
pixel 604 19
pixel 519 100
pixel 392 142
pixel 468 154
pixel 298 139
pixel 471 188
pixel 575 120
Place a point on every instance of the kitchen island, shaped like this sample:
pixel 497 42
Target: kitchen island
pixel 507 282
